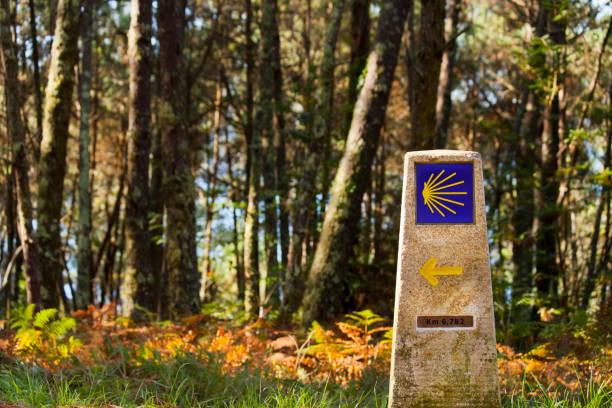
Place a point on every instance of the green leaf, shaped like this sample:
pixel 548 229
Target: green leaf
pixel 43 317
pixel 29 312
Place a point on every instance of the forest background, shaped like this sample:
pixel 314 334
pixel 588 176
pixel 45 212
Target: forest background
pixel 227 162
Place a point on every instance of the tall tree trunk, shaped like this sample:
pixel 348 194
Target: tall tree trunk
pixel 16 133
pixel 305 205
pixel 178 185
pixel 522 217
pixel 139 278
pixel 526 130
pixel 212 194
pixel 447 76
pixel 251 221
pixel 339 231
pixel 156 204
pixel 52 167
pixel 428 57
pixel 265 128
pixel 548 212
pixel 234 198
pixel 83 240
pixel 37 84
pixel 360 45
pixel 251 228
pixel 282 177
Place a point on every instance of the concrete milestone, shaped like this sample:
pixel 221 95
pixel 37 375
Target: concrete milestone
pixel 443 331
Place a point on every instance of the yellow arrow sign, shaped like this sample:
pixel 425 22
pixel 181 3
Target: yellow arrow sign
pixel 429 271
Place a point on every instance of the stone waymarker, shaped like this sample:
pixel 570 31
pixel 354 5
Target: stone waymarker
pixel 443 332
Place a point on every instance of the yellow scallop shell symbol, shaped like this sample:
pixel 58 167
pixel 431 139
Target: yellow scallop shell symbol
pixel 433 193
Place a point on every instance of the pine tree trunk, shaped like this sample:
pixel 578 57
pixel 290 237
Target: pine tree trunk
pixel 234 197
pixel 156 207
pixel 265 128
pixel 205 286
pixel 326 279
pixel 251 222
pixel 52 167
pixel 251 228
pixel 20 162
pixel 178 186
pixel 84 230
pixel 428 57
pixel 548 212
pixel 306 197
pixel 360 45
pixel 282 178
pixel 447 76
pixel 139 278
pixel 526 132
pixel 522 217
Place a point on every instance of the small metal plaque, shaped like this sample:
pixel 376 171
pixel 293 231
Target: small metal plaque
pixel 444 322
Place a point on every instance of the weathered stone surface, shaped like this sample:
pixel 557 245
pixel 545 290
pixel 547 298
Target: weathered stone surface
pixel 448 365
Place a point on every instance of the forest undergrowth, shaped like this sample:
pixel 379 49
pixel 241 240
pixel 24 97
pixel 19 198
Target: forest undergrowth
pixel 96 359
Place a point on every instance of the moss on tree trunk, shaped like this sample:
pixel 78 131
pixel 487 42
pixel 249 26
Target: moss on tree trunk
pixel 326 281
pixel 139 280
pixel 52 167
pixel 178 185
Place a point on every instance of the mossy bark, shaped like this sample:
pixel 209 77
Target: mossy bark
pixel 52 166
pixel 178 185
pixel 326 280
pixel 16 134
pixel 139 279
pixel 360 45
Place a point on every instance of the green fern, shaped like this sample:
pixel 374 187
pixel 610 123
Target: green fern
pixel 44 317
pixel 43 332
pixel 22 317
pixel 59 328
pixel 364 318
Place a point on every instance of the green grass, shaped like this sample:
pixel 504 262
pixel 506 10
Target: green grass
pixel 192 381
pixel 589 395
pixel 188 381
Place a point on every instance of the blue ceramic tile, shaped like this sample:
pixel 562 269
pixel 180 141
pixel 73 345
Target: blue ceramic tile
pixel 444 193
